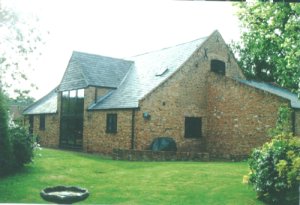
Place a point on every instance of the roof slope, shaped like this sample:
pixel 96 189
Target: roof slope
pixel 149 71
pixel 134 77
pixel 281 92
pixel 93 70
pixel 46 105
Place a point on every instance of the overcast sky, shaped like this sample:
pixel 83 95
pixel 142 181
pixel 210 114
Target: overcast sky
pixel 119 29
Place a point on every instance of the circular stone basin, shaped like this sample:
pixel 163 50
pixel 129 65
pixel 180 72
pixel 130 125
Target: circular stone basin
pixel 64 194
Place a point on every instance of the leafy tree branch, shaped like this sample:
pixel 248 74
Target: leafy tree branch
pixel 269 49
pixel 20 41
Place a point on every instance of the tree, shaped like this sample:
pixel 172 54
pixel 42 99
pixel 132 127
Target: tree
pixel 19 42
pixel 5 144
pixel 269 49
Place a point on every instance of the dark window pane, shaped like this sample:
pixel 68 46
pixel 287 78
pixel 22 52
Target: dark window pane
pixel 65 102
pixel 218 67
pixel 42 122
pixel 72 102
pixel 111 123
pixel 193 127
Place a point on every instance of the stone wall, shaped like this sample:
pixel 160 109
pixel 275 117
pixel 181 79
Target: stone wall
pixel 239 116
pixel 184 94
pixel 148 155
pixel 95 137
pixel 50 136
pixel 297 122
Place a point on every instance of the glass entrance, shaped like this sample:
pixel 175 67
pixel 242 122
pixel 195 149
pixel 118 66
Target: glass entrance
pixel 71 121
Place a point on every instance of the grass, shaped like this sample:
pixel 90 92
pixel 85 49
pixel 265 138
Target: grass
pixel 122 182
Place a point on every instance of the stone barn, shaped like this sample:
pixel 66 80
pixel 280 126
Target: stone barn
pixel 193 92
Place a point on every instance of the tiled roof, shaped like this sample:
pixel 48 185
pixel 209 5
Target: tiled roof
pixel 281 92
pixel 46 105
pixel 149 71
pixel 93 70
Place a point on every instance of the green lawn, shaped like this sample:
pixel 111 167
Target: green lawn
pixel 122 182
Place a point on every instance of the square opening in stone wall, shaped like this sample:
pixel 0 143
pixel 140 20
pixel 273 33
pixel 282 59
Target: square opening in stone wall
pixel 193 127
pixel 217 67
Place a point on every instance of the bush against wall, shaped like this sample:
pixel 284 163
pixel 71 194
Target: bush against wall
pixel 275 167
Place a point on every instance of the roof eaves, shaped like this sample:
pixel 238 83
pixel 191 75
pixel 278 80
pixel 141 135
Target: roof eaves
pixel 99 86
pixel 45 113
pixel 115 108
pixel 81 87
pixel 275 90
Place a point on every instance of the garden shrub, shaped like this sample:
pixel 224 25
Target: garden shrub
pixel 275 167
pixel 275 170
pixel 5 145
pixel 22 144
pixel 16 144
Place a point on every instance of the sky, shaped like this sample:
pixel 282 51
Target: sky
pixel 118 29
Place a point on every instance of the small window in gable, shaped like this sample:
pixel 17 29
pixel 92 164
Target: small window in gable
pixel 111 123
pixel 42 122
pixel 217 67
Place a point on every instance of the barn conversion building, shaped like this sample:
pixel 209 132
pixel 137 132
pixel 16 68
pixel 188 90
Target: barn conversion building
pixel 193 92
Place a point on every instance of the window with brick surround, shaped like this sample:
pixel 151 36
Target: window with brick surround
pixel 217 67
pixel 111 123
pixel 42 122
pixel 193 127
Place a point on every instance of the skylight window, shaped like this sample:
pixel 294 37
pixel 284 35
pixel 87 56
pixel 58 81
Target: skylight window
pixel 161 71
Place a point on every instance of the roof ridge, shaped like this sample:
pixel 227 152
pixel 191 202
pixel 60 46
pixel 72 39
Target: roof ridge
pixel 103 56
pixel 173 46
